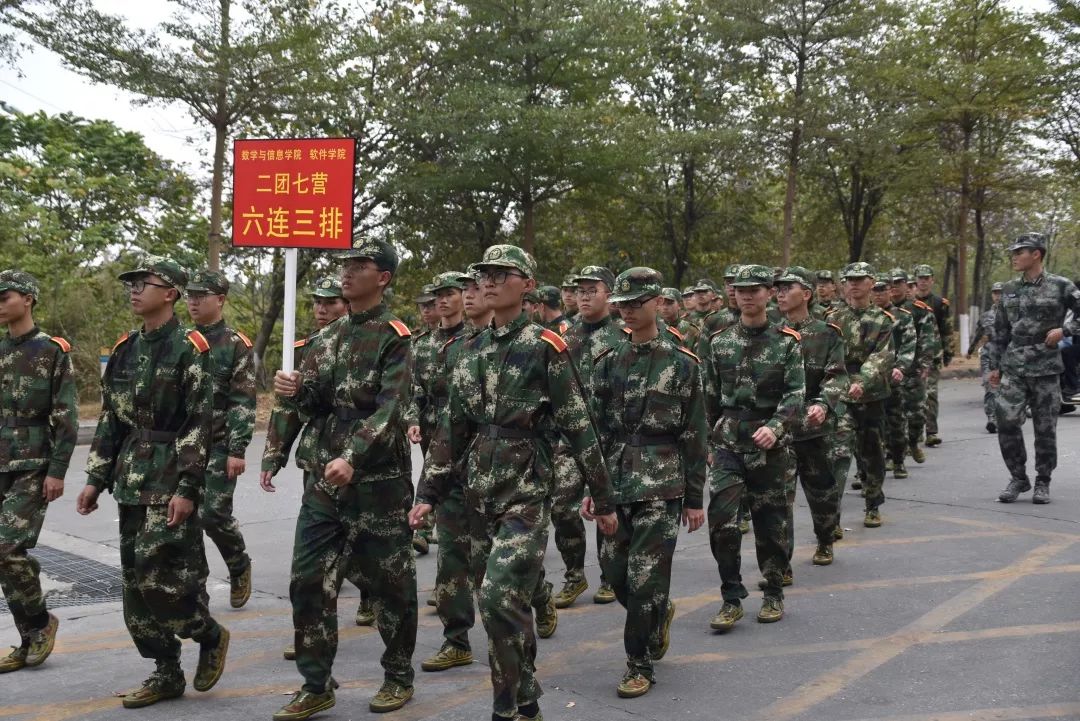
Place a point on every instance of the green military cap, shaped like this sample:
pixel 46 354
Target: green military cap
pixel 427 295
pixel 598 273
pixel 165 268
pixel 730 271
pixel 326 287
pixel 859 270
pixel 212 282
pixel 569 282
pixel 671 294
pixel 637 283
pixel 532 296
pixel 898 274
pixel 997 287
pixel 705 284
pixel 18 281
pixel 881 281
pixel 549 296
pixel 751 275
pixel 508 256
pixel 797 274
pixel 1035 241
pixel 443 281
pixel 923 271
pixel 823 275
pixel 688 290
pixel 379 252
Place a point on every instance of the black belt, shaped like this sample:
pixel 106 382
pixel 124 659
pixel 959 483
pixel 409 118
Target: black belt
pixel 14 422
pixel 641 439
pixel 748 414
pixel 349 413
pixel 492 431
pixel 143 434
pixel 1026 340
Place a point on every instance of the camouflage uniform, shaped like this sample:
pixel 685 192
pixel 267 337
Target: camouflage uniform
pixel 943 319
pixel 905 344
pixel 650 415
pixel 233 366
pixel 985 331
pixel 868 354
pixel 152 443
pixel 1030 370
pixel 514 391
pixel 354 384
pixel 39 424
pixel 927 349
pixel 753 378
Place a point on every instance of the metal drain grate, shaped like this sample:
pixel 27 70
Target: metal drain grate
pixel 74 580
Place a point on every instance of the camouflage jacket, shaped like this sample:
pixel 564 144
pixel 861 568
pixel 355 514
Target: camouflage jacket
pixel 512 393
pixel 233 365
pixel 713 324
pixel 650 414
pixel 868 349
pixel 928 345
pixel 943 320
pixel 448 357
pixel 822 347
pixel 585 341
pixel 690 332
pixel 1029 310
pixel 560 325
pixel 984 330
pixel 426 375
pixel 354 387
pixel 39 411
pixel 285 420
pixel 754 377
pixel 153 438
pixel 905 339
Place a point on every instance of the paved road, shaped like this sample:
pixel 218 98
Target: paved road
pixel 959 607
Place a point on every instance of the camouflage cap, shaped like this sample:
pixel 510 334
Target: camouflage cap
pixel 688 290
pixel 637 283
pixel 923 271
pixel 19 282
pixel 1036 241
pixel 568 281
pixel 427 295
pixel 549 296
pixel 597 273
pixel 897 274
pixel 532 296
pixel 508 256
pixel 730 271
pixel 379 252
pixel 997 287
pixel 671 294
pixel 798 274
pixel 326 287
pixel 705 284
pixel 444 281
pixel 751 275
pixel 823 275
pixel 859 270
pixel 165 268
pixel 212 282
pixel 881 281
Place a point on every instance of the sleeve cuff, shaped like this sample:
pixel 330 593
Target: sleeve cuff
pixel 189 492
pixel 57 470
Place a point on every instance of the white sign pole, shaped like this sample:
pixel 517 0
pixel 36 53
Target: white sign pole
pixel 289 327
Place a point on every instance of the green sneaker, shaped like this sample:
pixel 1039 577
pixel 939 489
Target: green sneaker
pixel 159 687
pixel 900 471
pixel 290 653
pixel 432 601
pixel 604 594
pixel 390 697
pixel 857 483
pixel 547 619
pixel 744 526
pixel 872 519
pixel 917 454
pixel 665 633
pixel 240 588
pixel 14 660
pixel 932 440
pixel 305 704
pixel 838 532
pixel 365 614
pixel 447 657
pixel 726 618
pixel 42 642
pixel 633 684
pixel 525 717
pixel 211 663
pixel 772 610
pixel 570 592
pixel 420 544
pixel 888 465
pixel 787 580
pixel 823 556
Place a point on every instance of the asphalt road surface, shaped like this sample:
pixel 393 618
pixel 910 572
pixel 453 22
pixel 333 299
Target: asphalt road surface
pixel 959 607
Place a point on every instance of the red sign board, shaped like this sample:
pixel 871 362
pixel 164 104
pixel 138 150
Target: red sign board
pixel 293 193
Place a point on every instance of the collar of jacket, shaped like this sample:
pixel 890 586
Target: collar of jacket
pixel 25 336
pixel 512 327
pixel 166 329
pixel 369 314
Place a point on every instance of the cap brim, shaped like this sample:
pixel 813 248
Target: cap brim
pixel 745 284
pixel 324 294
pixel 794 279
pixel 202 289
pixel 132 274
pixel 624 297
pixel 498 264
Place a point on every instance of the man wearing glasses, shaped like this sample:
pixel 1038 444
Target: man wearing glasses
pixel 234 421
pixel 150 450
pixel 1025 363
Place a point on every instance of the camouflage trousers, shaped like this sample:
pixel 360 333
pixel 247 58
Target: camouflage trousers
pixel 216 514
pixel 508 569
pixel 637 563
pixel 869 421
pixel 989 393
pixel 841 448
pixel 913 393
pixel 453 583
pixel 22 511
pixel 565 516
pixel 361 528
pixel 896 439
pixel 763 478
pixel 932 398
pixel 815 470
pixel 162 570
pixel 1015 396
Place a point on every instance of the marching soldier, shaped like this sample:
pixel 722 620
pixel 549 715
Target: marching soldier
pixel 234 421
pixel 39 425
pixel 513 391
pixel 721 319
pixel 568 291
pixel 425 306
pixel 670 310
pixel 551 315
pixel 905 343
pixel 924 283
pixel 826 293
pixel 150 451
pixel 985 332
pixel 704 294
pixel 689 302
pixel 927 348
pixel 647 400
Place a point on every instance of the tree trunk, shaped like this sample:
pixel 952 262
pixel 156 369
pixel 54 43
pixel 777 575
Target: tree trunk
pixel 221 131
pixel 789 194
pixel 528 222
pixel 978 273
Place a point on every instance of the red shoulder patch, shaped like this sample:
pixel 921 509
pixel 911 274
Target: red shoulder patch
pixel 837 328
pixel 553 339
pixel 198 340
pixel 563 327
pixel 243 338
pixel 683 350
pixel 120 340
pixel 401 328
pixel 627 330
pixel 300 343
pixel 675 333
pixel 924 306
pixel 891 316
pixel 791 332
pixel 64 345
pixel 944 301
pixel 602 354
pixel 449 343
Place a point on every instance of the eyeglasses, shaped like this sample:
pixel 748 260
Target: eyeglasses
pixel 196 297
pixel 634 304
pixel 586 292
pixel 497 277
pixel 353 267
pixel 138 286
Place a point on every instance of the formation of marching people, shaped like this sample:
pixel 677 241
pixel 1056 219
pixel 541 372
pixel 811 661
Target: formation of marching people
pixel 609 399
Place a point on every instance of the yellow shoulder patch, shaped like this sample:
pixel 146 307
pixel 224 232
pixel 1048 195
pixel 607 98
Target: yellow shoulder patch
pixel 791 332
pixel 683 350
pixel 64 345
pixel 553 339
pixel 891 316
pixel 198 340
pixel 602 354
pixel 401 329
pixel 120 340
pixel 675 333
pixel 243 338
pixel 300 343
pixel 903 310
pixel 920 304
